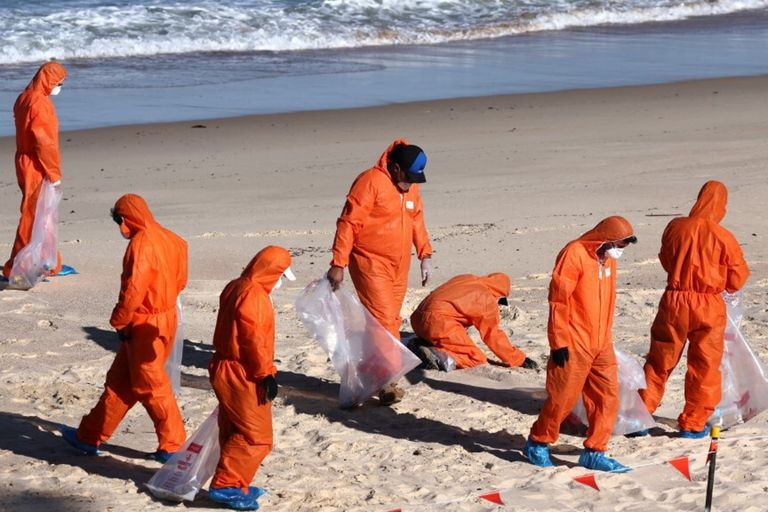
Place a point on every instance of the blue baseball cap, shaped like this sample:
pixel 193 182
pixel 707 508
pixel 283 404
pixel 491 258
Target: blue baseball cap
pixel 412 160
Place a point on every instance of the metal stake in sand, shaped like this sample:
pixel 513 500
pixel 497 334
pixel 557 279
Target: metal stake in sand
pixel 712 459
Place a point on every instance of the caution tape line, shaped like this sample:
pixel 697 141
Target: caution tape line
pixel 681 463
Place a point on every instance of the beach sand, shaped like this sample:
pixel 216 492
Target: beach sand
pixel 511 179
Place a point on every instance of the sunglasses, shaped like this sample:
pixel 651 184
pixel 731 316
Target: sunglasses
pixel 116 216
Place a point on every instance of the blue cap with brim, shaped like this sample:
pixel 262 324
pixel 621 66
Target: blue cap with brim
pixel 415 172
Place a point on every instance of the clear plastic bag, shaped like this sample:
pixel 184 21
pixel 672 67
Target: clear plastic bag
pixel 745 382
pixel 182 477
pixel 38 257
pixel 173 363
pixel 633 416
pixel 366 356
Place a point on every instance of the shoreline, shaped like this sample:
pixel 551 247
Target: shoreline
pixel 187 87
pixel 426 104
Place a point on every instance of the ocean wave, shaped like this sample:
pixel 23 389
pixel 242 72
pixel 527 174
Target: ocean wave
pixel 89 29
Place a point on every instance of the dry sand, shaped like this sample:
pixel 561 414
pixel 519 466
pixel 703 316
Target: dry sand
pixel 511 180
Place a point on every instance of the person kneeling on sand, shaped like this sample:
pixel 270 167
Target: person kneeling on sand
pixel 444 315
pixel 582 362
pixel 154 274
pixel 242 373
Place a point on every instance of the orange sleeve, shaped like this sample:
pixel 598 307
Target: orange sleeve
pixel 565 277
pixel 183 265
pixel 46 145
pixel 356 211
pixel 134 285
pixel 738 271
pixel 663 256
pixel 496 339
pixel 257 350
pixel 420 235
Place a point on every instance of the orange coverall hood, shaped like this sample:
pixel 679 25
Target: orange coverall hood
pixel 711 202
pixel 135 213
pixel 499 284
pixel 46 78
pixel 267 266
pixel 384 158
pixel 610 229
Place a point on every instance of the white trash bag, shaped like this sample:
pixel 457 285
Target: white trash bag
pixel 366 355
pixel 633 416
pixel 173 363
pixel 38 257
pixel 182 477
pixel 745 382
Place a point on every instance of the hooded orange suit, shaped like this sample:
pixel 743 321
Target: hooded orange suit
pixel 581 300
pixel 374 235
pixel 702 259
pixel 154 273
pixel 245 350
pixel 37 149
pixel 466 300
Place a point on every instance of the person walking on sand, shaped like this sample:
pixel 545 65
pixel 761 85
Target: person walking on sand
pixel 154 274
pixel 37 150
pixel 382 219
pixel 243 376
pixel 582 362
pixel 702 259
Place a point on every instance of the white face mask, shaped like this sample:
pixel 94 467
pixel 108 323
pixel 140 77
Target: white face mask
pixel 403 186
pixel 288 275
pixel 614 252
pixel 56 90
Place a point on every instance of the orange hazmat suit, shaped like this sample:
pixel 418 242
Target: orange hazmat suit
pixel 582 294
pixel 154 273
pixel 466 300
pixel 702 259
pixel 374 235
pixel 37 150
pixel 244 340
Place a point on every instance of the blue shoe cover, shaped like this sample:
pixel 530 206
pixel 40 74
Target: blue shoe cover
pixel 234 498
pixel 592 459
pixel 161 456
pixel 692 434
pixel 70 435
pixel 639 433
pixel 256 492
pixel 66 270
pixel 537 453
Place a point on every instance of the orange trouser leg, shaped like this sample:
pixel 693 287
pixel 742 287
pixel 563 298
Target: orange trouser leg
pixel 703 381
pixel 245 426
pixel 449 336
pixel 601 399
pixel 137 375
pixel 149 347
pixel 564 386
pixel 668 336
pixel 118 397
pixel 30 180
pixel 381 289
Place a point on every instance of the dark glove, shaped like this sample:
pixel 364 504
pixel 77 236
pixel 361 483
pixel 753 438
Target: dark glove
pixel 559 356
pixel 530 364
pixel 124 334
pixel 270 387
